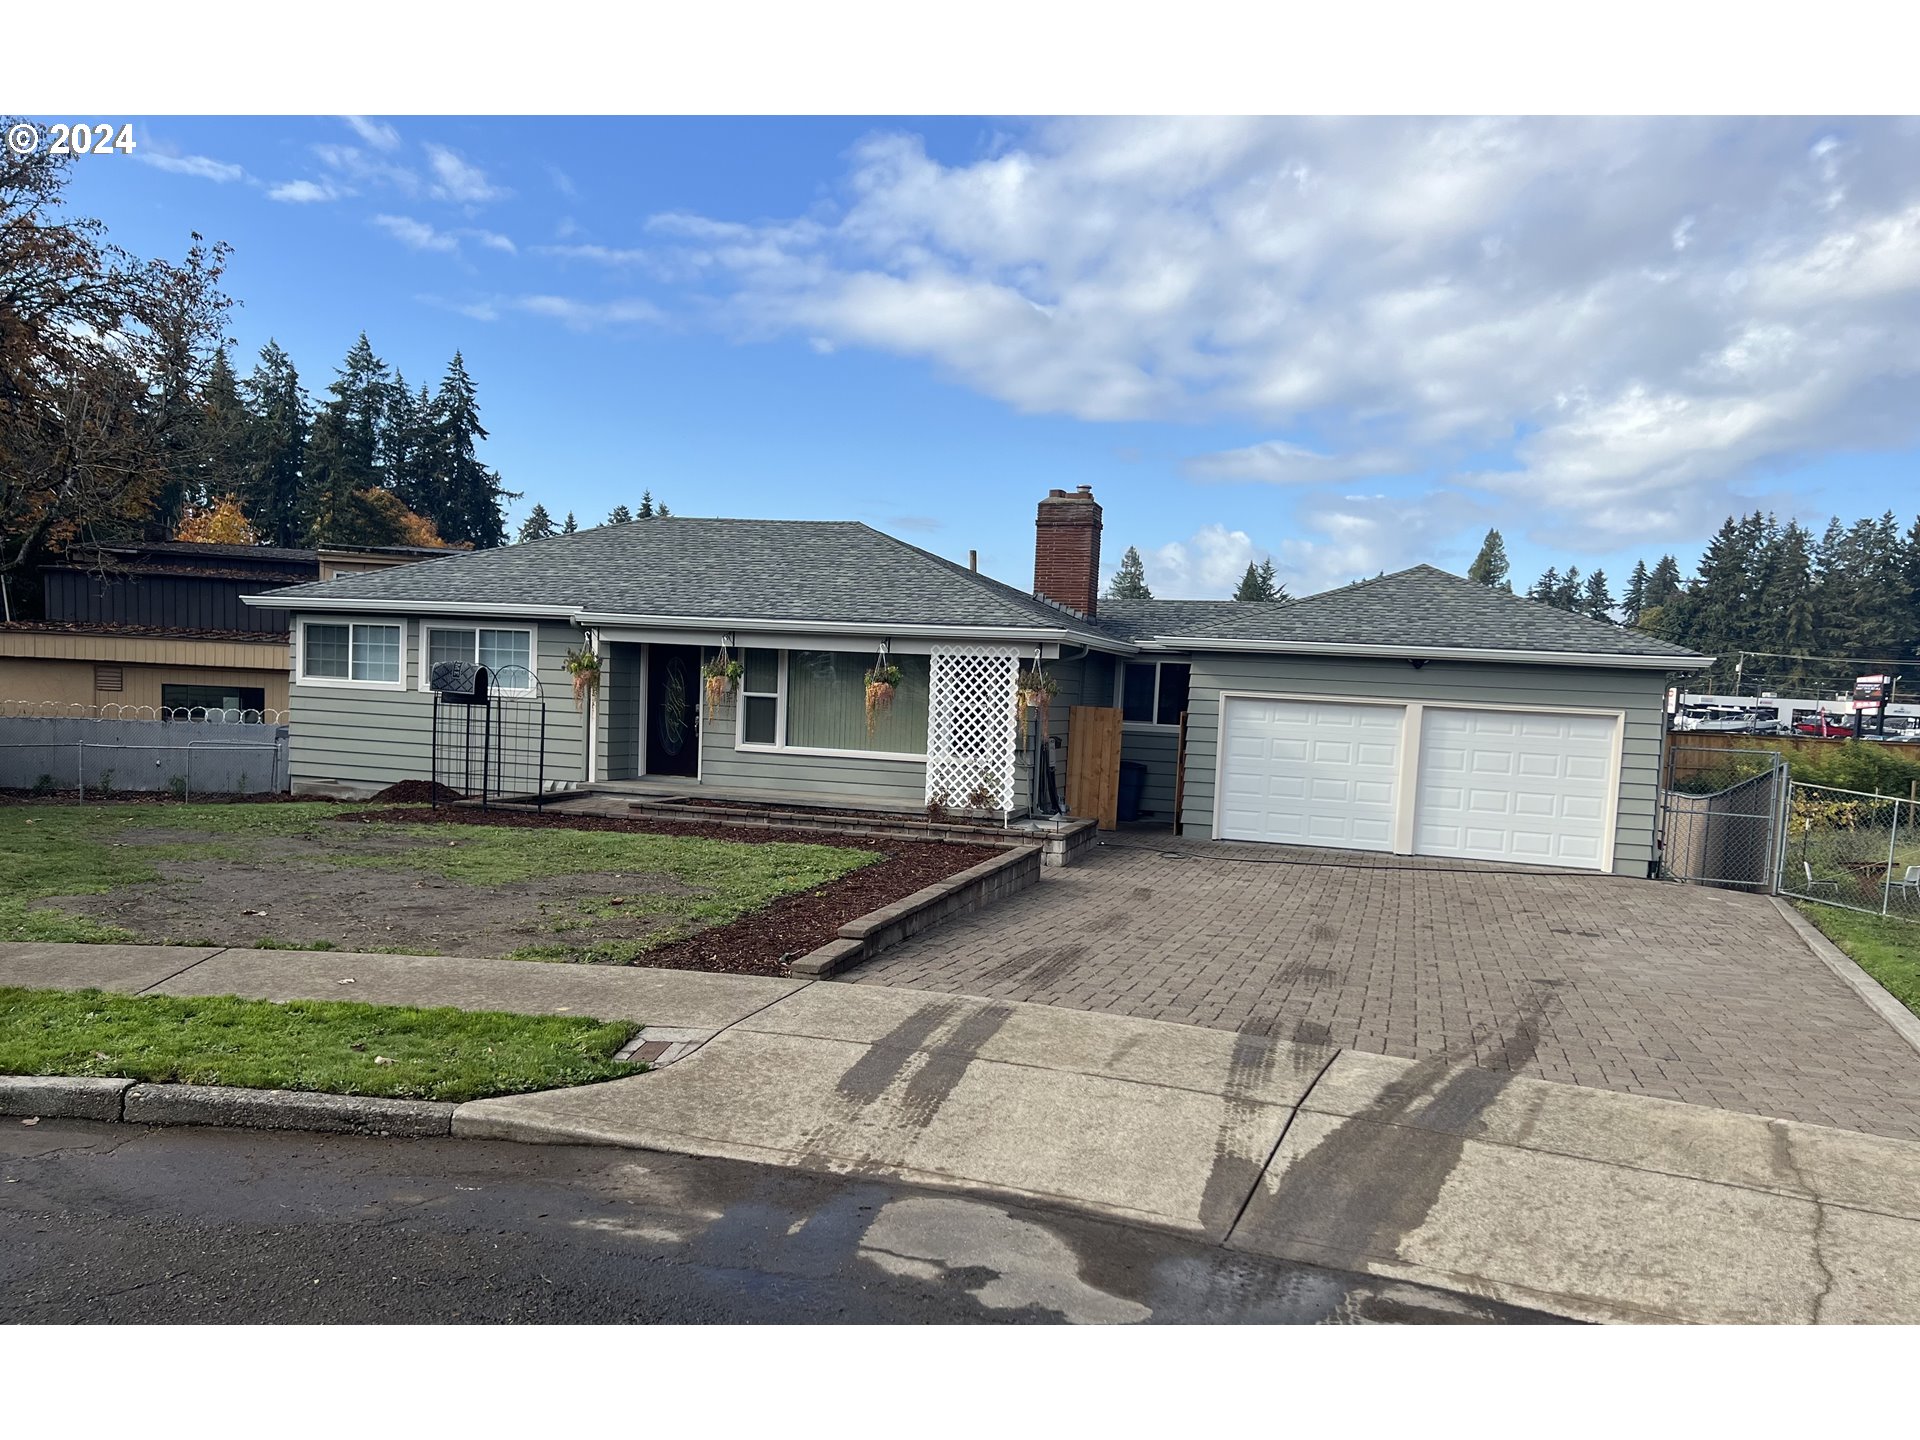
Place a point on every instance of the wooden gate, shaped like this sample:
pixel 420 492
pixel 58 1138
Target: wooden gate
pixel 1093 763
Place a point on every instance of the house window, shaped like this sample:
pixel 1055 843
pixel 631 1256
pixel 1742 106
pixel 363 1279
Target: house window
pixel 249 699
pixel 760 698
pixel 1154 693
pixel 827 704
pixel 363 654
pixel 498 650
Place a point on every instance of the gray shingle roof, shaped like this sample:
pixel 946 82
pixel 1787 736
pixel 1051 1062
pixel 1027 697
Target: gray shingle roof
pixel 1421 608
pixel 832 571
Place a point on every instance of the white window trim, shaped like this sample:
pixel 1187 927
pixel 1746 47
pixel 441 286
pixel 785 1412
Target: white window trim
pixel 1413 715
pixel 779 693
pixel 780 747
pixel 1120 692
pixel 346 682
pixel 427 627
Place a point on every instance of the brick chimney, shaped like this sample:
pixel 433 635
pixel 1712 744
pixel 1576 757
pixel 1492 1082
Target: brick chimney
pixel 1066 550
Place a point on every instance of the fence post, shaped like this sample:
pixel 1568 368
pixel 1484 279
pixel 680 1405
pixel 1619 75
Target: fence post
pixel 188 794
pixel 1893 840
pixel 80 757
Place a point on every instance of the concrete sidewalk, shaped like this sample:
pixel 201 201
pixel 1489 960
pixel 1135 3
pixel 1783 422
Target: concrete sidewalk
pixel 1585 1202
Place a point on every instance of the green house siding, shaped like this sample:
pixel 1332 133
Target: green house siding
pixel 363 739
pixel 1636 693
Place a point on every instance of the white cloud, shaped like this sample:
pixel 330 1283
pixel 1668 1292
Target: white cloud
pixel 562 181
pixel 595 254
pixel 377 133
pixel 198 166
pixel 1612 324
pixel 1204 566
pixel 306 192
pixel 355 164
pixel 458 179
pixel 493 241
pixel 575 314
pixel 416 234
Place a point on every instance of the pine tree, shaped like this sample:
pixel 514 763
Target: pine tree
pixel 344 451
pixel 619 515
pixel 1596 600
pixel 1490 565
pixel 273 488
pixel 1566 595
pixel 660 511
pixel 571 527
pixel 1663 581
pixel 470 494
pixel 221 440
pixel 1258 584
pixel 1547 588
pixel 1130 580
pixel 538 525
pixel 1270 582
pixel 645 512
pixel 1636 597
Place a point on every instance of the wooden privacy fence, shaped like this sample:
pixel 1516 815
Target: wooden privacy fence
pixel 1696 752
pixel 1093 763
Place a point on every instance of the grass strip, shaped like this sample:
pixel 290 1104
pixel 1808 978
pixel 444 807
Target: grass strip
pixel 1887 949
pixel 336 1046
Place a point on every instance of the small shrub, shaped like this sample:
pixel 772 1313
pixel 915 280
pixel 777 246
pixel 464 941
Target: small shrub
pixel 44 785
pixel 178 787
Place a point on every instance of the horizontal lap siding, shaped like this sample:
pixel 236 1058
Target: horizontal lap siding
pixel 375 737
pixel 1639 693
pixel 837 779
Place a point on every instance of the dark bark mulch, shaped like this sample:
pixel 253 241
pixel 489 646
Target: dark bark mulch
pixel 417 792
pixel 154 797
pixel 763 942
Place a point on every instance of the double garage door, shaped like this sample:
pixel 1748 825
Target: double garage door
pixel 1528 786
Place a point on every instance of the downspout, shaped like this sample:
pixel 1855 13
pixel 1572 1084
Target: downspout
pixel 593 714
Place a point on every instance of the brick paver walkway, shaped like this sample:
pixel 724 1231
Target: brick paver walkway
pixel 1677 991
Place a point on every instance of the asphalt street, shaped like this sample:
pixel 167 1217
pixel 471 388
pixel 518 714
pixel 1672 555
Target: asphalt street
pixel 111 1223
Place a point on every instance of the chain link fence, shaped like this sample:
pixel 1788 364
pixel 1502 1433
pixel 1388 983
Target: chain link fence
pixel 95 759
pixel 1851 849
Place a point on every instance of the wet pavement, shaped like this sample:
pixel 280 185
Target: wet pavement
pixel 107 1223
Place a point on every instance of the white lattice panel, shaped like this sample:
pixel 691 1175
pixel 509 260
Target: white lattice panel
pixel 972 712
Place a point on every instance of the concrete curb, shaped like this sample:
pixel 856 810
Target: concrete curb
pixel 60 1097
pixel 285 1110
pixel 882 929
pixel 1903 1020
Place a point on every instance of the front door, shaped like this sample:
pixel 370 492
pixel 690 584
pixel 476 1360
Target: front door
pixel 673 710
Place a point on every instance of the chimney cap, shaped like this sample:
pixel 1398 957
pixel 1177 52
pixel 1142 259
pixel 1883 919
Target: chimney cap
pixel 1086 489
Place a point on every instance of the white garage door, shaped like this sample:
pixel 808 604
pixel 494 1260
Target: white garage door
pixel 1514 785
pixel 1310 772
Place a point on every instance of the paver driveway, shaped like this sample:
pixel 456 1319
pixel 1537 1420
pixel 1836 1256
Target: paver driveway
pixel 1667 990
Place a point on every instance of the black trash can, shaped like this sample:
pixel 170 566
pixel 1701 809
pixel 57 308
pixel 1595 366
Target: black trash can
pixel 1133 784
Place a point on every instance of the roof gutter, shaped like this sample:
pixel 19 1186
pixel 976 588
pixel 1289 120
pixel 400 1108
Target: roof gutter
pixel 280 600
pixel 1441 652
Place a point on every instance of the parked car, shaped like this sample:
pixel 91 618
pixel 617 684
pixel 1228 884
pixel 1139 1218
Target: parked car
pixel 1830 728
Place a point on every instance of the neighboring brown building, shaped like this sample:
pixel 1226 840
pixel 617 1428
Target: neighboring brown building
pixel 162 624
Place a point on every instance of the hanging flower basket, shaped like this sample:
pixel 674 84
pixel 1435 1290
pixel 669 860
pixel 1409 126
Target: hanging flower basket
pixel 722 675
pixel 583 667
pixel 1035 688
pixel 882 681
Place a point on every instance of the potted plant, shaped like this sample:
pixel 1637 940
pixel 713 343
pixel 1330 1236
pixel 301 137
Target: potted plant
pixel 1035 687
pixel 722 674
pixel 583 666
pixel 882 681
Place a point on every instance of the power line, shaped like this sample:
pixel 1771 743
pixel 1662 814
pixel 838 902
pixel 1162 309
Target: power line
pixel 1821 659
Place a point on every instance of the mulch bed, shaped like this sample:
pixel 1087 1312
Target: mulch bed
pixel 417 792
pixel 154 797
pixel 765 941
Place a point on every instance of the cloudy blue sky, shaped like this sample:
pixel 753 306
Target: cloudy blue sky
pixel 1350 345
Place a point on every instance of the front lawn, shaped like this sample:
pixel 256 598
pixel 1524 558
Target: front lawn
pixel 295 876
pixel 1887 949
pixel 338 1047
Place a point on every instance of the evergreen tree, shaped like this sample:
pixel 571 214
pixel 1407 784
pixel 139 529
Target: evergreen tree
pixel 619 515
pixel 1663 581
pixel 406 447
pixel 1270 582
pixel 273 488
pixel 1258 584
pixel 538 524
pixel 571 527
pixel 1547 588
pixel 1130 579
pixel 1596 600
pixel 1567 594
pixel 221 450
pixel 1635 599
pixel 1490 565
pixel 645 512
pixel 344 450
pixel 660 511
pixel 470 494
